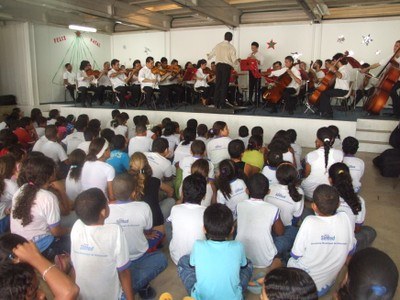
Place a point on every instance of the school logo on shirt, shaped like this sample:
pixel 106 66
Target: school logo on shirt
pixel 86 247
pixel 279 195
pixel 121 221
pixel 328 238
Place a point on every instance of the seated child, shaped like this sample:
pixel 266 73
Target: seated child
pixel 187 218
pixel 140 142
pixel 288 283
pixel 161 166
pixel 202 130
pixel 90 135
pixel 135 218
pixel 274 159
pixel 292 134
pixel 355 164
pixel 324 241
pixel 119 159
pixel 114 114
pixel 198 150
pixel 244 134
pixel 236 149
pixel 52 148
pixel 255 222
pixel 99 252
pixel 217 268
pixel 371 274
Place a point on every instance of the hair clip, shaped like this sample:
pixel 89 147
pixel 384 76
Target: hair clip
pixel 73 166
pixel 31 183
pixel 340 172
pixel 379 290
pixel 327 140
pixel 141 171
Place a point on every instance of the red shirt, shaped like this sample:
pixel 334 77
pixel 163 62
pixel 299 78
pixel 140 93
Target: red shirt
pixel 24 138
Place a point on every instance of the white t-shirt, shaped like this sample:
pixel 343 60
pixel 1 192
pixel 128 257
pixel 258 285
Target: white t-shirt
pixel 344 82
pixel 288 156
pixel 121 129
pixel 10 188
pixel 96 174
pixel 71 77
pixel 45 213
pixel 187 227
pixel 280 197
pixel 73 188
pixel 356 167
pixel 160 166
pixel 181 152
pixel 270 173
pixel 354 219
pixel 104 80
pixel 40 131
pixel 319 175
pixel 203 139
pixel 73 140
pixel 238 194
pixel 81 75
pixel 217 149
pixel 173 142
pixel 134 217
pixel 98 253
pixel 54 151
pixel 39 144
pixel 337 144
pixel 118 80
pixel 254 226
pixel 322 246
pixel 245 140
pixel 145 73
pixel 296 73
pixel 84 146
pixel 297 154
pixel 201 79
pixel 139 144
pixel 186 164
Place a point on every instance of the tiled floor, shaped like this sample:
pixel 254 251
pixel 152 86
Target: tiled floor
pixel 382 196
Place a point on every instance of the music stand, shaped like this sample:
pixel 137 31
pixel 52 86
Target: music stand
pixel 251 64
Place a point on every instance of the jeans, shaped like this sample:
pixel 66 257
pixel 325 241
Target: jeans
pixel 187 273
pixel 60 245
pixel 284 243
pixel 146 268
pixel 365 237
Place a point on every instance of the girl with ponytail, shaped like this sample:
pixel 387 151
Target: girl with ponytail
pixel 231 189
pixel 351 204
pixel 35 213
pixel 286 195
pixel 319 161
pixel 217 148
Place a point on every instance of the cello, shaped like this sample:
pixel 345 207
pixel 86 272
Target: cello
pixel 378 100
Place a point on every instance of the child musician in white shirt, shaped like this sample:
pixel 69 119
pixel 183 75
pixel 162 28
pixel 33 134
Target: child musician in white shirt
pixel 324 241
pixel 99 252
pixel 355 164
pixel 202 80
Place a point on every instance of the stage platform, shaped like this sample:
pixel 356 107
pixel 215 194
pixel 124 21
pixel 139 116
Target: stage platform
pixel 372 131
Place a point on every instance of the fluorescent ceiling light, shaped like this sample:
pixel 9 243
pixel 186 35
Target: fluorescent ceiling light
pixel 82 28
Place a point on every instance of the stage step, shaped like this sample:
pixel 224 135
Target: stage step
pixel 373 135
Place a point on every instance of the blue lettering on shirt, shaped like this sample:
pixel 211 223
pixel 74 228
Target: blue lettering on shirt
pixel 86 247
pixel 327 237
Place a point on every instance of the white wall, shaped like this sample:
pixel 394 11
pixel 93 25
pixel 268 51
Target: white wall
pixel 51 57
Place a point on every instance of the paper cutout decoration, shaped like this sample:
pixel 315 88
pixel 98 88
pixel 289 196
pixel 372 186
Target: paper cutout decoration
pixel 296 55
pixel 271 44
pixel 147 50
pixel 341 39
pixel 366 39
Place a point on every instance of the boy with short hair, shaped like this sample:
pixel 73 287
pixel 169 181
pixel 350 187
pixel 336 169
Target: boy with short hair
pixel 217 268
pixel 99 252
pixel 135 218
pixel 160 165
pixel 324 241
pixel 140 142
pixel 256 219
pixel 198 150
pixel 236 149
pixel 356 165
pixel 187 218
pixel 244 134
pixel 52 148
pixel 119 159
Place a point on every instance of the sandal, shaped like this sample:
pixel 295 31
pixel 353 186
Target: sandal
pixel 255 287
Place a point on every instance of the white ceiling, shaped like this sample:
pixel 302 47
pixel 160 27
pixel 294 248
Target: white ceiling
pixel 111 16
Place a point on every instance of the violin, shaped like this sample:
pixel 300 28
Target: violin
pixel 209 71
pixel 158 71
pixel 378 100
pixel 95 73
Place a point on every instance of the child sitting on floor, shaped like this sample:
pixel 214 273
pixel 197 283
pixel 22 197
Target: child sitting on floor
pixel 355 164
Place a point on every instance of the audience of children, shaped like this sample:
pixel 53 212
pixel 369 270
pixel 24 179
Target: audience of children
pixel 118 240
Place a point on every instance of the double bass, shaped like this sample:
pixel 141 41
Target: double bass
pixel 378 100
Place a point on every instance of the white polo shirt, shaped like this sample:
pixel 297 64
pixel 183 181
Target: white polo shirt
pixel 354 219
pixel 81 79
pixel 71 77
pixel 280 197
pixel 186 164
pixel 238 194
pixel 321 248
pixel 161 167
pixel 145 73
pixel 356 167
pixel 187 227
pixel 54 151
pixel 73 140
pixel 270 173
pixel 201 79
pixel 10 188
pixel 118 80
pixel 217 149
pixel 139 144
pixel 39 144
pixel 254 230
pixel 344 82
pixel 297 154
pixel 96 174
pixel 134 217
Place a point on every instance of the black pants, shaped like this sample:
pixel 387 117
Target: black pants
pixel 123 92
pixel 254 86
pixel 325 106
pixel 84 94
pixel 102 89
pixel 361 93
pixel 135 90
pixel 395 99
pixel 206 92
pixel 290 100
pixel 71 89
pixel 149 91
pixel 222 82
pixel 167 90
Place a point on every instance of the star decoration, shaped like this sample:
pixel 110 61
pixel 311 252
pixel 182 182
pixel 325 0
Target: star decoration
pixel 366 39
pixel 378 52
pixel 271 44
pixel 340 39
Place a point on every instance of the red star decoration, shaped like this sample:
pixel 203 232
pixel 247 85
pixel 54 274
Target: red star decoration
pixel 271 44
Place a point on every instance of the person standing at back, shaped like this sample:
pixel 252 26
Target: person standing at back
pixel 225 58
pixel 255 83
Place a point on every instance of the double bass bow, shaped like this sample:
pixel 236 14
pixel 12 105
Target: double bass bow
pixel 378 100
